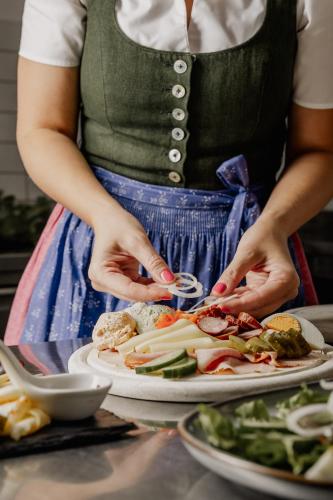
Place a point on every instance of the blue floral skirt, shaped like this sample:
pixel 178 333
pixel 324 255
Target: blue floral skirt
pixel 195 231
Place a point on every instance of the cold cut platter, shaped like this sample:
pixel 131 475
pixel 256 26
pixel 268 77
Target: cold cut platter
pixel 156 353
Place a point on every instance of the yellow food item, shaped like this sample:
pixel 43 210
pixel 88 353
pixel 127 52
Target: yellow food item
pixel 4 380
pixel 19 417
pixel 34 420
pixel 284 323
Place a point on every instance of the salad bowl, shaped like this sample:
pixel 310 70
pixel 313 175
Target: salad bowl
pixel 248 473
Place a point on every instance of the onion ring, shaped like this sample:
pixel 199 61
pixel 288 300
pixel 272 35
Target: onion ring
pixel 184 282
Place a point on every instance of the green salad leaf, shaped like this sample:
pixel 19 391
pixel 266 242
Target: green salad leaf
pixel 251 432
pixel 218 428
pixel 256 409
pixel 305 396
pixel 266 449
pixel 302 452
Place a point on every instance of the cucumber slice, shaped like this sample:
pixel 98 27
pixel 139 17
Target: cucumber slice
pixel 161 362
pixel 180 369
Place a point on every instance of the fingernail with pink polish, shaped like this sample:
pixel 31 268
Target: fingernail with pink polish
pixel 166 297
pixel 167 275
pixel 220 287
pixel 226 310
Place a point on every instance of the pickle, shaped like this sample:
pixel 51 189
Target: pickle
pixel 257 344
pixel 274 341
pixel 290 344
pixel 238 343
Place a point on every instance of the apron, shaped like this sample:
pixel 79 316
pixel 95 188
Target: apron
pixel 187 143
pixel 195 231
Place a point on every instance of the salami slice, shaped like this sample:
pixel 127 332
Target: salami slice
pixel 247 322
pixel 232 321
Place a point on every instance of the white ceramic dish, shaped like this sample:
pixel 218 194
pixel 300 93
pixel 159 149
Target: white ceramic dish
pixel 64 396
pixel 321 316
pixel 257 477
pixel 196 388
pixel 191 389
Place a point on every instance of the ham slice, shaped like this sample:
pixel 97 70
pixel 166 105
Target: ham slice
pixel 134 359
pixel 209 359
pixel 295 363
pixel 230 361
pixel 269 357
pixel 241 367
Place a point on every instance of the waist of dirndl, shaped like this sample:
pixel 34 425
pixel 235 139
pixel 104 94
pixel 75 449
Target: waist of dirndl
pixel 168 209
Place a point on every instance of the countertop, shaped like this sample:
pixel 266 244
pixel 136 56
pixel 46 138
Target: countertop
pixel 148 464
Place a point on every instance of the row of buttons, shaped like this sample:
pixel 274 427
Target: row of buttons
pixel 178 114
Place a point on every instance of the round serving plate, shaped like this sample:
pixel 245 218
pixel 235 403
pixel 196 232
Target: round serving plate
pixel 238 470
pixel 127 383
pixel 152 414
pixel 320 316
pixel 191 389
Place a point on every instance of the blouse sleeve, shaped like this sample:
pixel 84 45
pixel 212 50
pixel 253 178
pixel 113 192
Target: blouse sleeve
pixel 313 77
pixel 53 31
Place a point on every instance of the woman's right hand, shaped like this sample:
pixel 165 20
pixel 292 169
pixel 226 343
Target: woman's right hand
pixel 120 246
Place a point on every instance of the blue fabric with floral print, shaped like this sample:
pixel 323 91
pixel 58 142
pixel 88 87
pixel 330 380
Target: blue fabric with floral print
pixel 195 231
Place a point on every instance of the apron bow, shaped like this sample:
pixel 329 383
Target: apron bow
pixel 245 208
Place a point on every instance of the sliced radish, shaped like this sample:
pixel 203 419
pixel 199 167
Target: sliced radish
pixel 212 326
pixel 231 330
pixel 251 333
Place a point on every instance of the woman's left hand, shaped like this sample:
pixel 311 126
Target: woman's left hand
pixel 262 258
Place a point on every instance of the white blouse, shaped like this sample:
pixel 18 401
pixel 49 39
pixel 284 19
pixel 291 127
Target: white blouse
pixel 53 33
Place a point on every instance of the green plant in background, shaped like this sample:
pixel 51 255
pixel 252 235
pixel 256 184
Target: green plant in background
pixel 21 223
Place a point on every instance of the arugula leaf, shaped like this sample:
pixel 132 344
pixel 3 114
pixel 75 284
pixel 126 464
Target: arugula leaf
pixel 218 429
pixel 256 409
pixel 266 449
pixel 256 435
pixel 304 397
pixel 302 452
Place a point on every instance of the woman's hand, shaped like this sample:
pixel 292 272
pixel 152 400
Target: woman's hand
pixel 120 246
pixel 264 260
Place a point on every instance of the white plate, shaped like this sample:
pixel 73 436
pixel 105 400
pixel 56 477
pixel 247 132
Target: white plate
pixel 191 389
pixel 238 470
pixel 196 388
pixel 321 316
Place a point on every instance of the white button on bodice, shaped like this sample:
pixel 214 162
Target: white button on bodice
pixel 180 66
pixel 178 114
pixel 178 91
pixel 174 155
pixel 178 134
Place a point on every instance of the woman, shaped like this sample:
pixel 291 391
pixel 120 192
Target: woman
pixel 184 109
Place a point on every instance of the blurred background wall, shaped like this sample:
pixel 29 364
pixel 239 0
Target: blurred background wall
pixel 13 179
